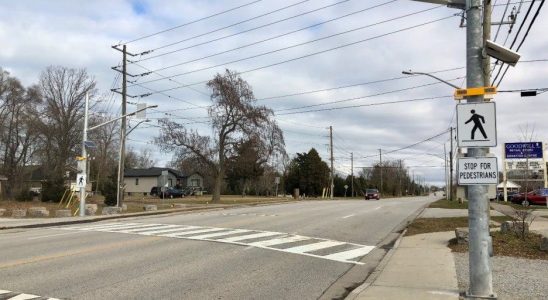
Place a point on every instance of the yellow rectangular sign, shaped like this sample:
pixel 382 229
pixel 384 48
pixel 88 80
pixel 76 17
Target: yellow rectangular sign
pixel 485 90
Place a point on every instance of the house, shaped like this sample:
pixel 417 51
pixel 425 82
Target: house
pixel 142 180
pixel 510 186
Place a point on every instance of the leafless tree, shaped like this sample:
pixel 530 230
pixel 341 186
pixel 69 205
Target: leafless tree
pixel 105 156
pixel 63 90
pixel 17 133
pixel 234 117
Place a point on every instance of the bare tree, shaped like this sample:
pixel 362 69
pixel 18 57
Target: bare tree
pixel 17 133
pixel 63 90
pixel 105 155
pixel 234 118
pixel 139 159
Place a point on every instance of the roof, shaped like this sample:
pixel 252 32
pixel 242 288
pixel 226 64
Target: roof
pixel 509 185
pixel 152 172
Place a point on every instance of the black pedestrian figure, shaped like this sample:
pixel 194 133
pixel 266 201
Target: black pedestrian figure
pixel 478 120
pixel 81 181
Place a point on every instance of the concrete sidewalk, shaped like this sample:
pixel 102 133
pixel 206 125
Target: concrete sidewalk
pixel 421 267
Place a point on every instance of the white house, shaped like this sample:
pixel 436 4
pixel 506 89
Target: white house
pixel 142 180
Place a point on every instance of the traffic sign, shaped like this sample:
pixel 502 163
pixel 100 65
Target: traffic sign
pixel 476 125
pixel 523 150
pixel 477 91
pixel 81 180
pixel 477 170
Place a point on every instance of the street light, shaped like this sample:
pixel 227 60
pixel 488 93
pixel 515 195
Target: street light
pixel 430 75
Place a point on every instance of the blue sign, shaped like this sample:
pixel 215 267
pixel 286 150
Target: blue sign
pixel 523 150
pixel 543 192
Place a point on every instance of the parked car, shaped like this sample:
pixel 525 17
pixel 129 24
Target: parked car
pixel 154 190
pixel 171 193
pixel 536 197
pixel 500 195
pixel 372 194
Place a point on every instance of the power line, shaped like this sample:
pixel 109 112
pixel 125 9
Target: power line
pixel 270 38
pixel 191 22
pixel 276 50
pixel 319 52
pixel 412 145
pixel 233 25
pixel 524 37
pixel 367 96
pixel 365 105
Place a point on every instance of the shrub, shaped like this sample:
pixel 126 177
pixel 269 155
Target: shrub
pixel 108 189
pixel 24 195
pixel 53 190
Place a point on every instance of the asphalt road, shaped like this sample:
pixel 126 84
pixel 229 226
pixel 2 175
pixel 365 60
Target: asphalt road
pixel 296 250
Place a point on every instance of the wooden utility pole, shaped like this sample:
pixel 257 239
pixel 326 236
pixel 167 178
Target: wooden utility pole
pixel 352 174
pixel 380 165
pixel 451 166
pixel 122 153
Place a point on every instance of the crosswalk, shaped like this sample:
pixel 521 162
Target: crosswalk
pixel 238 214
pixel 9 295
pixel 271 240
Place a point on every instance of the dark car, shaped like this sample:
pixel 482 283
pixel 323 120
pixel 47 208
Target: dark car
pixel 171 193
pixel 509 195
pixel 372 194
pixel 536 197
pixel 154 190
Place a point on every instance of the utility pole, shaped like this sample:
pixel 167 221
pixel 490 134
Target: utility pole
pixel 84 158
pixel 122 153
pixel 332 169
pixel 399 180
pixel 380 165
pixel 451 165
pixel 446 177
pixel 352 174
pixel 481 278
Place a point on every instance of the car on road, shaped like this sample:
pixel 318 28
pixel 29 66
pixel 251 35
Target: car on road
pixel 171 193
pixel 536 197
pixel 372 194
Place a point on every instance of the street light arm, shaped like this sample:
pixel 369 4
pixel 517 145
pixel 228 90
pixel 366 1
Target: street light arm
pixel 134 127
pixel 430 75
pixel 126 115
pixel 460 4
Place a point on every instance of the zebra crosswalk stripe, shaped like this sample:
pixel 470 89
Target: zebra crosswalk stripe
pixel 341 252
pixel 4 294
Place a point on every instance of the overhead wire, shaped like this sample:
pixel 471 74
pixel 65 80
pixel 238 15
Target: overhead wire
pixel 319 52
pixel 411 145
pixel 191 22
pixel 234 24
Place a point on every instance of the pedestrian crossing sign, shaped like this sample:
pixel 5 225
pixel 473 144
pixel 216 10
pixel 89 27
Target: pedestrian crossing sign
pixel 476 125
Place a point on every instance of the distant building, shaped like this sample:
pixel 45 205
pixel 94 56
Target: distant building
pixel 142 180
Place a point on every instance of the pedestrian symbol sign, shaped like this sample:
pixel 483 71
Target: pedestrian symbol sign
pixel 81 180
pixel 476 125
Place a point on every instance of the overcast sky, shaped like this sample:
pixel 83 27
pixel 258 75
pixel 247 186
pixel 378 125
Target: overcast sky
pixel 382 38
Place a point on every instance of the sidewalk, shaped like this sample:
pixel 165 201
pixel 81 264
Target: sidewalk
pixel 421 267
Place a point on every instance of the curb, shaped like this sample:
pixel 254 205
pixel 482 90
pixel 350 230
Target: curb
pixel 93 219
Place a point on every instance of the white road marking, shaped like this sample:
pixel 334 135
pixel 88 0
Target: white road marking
pixel 314 247
pixel 350 254
pixel 211 233
pixel 279 241
pixel 249 236
pixel 4 292
pixel 180 234
pixel 346 217
pixel 378 207
pixel 168 230
pixel 217 234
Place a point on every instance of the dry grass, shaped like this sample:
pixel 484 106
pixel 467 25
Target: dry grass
pixel 428 225
pixel 510 245
pixel 444 203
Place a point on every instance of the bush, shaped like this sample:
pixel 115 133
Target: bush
pixel 108 189
pixel 53 190
pixel 24 195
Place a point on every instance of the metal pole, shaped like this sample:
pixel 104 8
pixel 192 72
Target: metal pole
pixel 481 280
pixel 504 174
pixel 352 174
pixel 122 153
pixel 451 167
pixel 85 157
pixel 380 165
pixel 446 182
pixel 332 170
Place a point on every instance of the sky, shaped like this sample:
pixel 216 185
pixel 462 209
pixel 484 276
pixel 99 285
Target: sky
pixel 316 63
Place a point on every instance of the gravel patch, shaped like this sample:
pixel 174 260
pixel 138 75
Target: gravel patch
pixel 513 278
